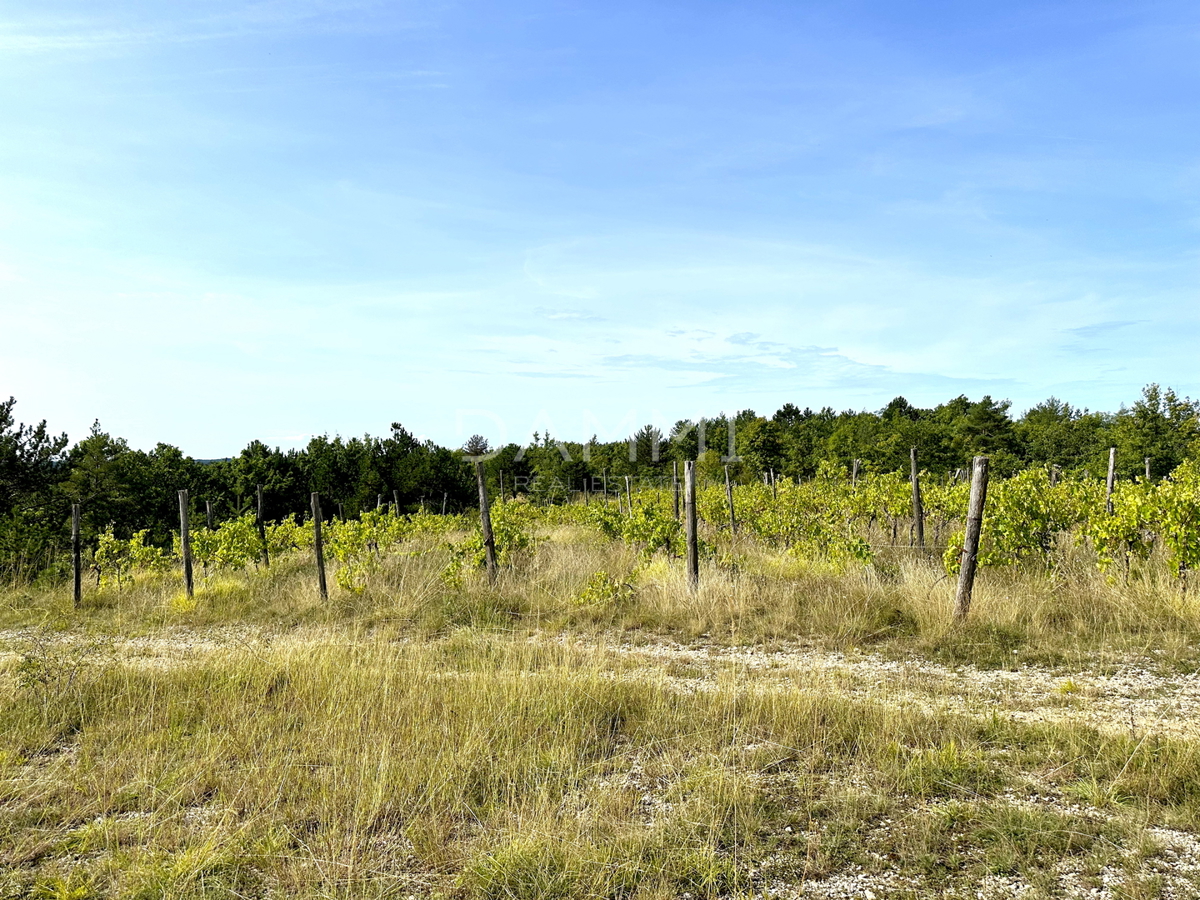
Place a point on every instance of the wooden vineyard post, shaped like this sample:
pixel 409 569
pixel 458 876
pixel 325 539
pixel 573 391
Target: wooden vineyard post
pixel 502 487
pixel 76 556
pixel 185 544
pixel 1112 480
pixel 675 485
pixel 689 516
pixel 774 488
pixel 319 546
pixel 396 500
pixel 628 495
pixel 1147 470
pixel 485 519
pixel 854 473
pixel 918 507
pixel 970 551
pixel 729 500
pixel 260 523
pixel 341 513
pixel 378 502
pixel 445 497
pixel 1053 476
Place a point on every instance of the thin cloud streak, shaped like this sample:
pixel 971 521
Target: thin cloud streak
pixel 251 20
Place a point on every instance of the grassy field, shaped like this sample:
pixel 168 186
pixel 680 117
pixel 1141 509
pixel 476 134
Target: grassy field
pixel 588 727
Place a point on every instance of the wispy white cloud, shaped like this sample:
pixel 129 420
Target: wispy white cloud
pixel 566 315
pixel 41 34
pixel 1101 328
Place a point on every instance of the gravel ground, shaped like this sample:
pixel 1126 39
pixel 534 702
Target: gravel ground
pixel 1130 698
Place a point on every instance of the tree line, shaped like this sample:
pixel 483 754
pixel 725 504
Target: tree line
pixel 42 474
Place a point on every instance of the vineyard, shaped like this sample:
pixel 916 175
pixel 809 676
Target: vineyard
pixel 1030 519
pixel 806 719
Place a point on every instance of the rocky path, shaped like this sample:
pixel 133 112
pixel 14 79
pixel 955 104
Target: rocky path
pixel 1130 697
pixel 1134 696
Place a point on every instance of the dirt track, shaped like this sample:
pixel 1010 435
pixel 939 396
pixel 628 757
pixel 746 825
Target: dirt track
pixel 1131 697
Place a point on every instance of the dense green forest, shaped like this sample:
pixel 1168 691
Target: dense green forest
pixel 42 474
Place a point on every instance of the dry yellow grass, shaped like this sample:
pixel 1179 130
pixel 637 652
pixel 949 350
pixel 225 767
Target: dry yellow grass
pixel 436 736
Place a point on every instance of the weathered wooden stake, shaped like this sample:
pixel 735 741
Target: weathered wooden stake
pixel 396 500
pixel 1053 476
pixel 341 513
pixel 918 507
pixel 1112 479
pixel 970 551
pixel 774 489
pixel 1147 469
pixel 676 485
pixel 689 516
pixel 502 487
pixel 628 495
pixel 185 543
pixel 854 473
pixel 319 546
pixel 445 497
pixel 378 502
pixel 729 500
pixel 485 518
pixel 76 556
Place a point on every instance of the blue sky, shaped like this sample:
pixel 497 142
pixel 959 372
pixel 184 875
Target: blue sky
pixel 222 221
